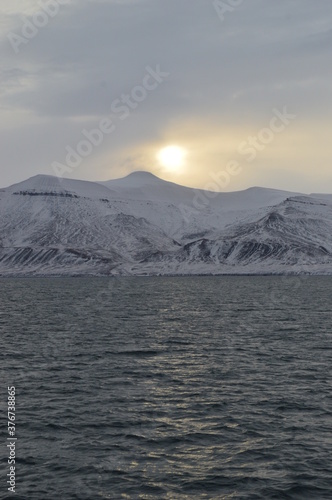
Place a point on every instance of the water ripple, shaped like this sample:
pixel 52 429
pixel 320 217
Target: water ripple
pixel 169 388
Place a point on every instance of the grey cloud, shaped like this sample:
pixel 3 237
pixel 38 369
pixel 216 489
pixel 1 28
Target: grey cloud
pixel 264 54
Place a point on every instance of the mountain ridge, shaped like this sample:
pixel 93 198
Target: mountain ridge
pixel 143 225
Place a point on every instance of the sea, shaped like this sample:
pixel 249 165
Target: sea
pixel 206 387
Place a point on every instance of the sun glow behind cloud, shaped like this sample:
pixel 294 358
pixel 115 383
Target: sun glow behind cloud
pixel 172 158
pixel 53 90
pixel 210 147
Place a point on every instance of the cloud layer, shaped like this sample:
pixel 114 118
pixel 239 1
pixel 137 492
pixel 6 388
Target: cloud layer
pixel 225 77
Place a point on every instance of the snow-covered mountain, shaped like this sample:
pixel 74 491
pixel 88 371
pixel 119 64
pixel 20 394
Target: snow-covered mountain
pixel 144 225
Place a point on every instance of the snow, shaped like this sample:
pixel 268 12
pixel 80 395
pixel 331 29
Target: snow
pixel 146 186
pixel 144 225
pixel 51 184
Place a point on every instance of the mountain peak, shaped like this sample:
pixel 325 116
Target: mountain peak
pixel 142 174
pixel 137 179
pixel 48 184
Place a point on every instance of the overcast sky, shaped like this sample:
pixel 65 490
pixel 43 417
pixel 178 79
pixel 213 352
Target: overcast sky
pixel 224 75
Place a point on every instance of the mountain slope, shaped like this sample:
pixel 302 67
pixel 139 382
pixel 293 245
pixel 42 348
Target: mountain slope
pixel 45 225
pixel 144 225
pixel 295 236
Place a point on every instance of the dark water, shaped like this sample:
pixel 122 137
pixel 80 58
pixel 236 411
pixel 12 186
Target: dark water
pixel 169 388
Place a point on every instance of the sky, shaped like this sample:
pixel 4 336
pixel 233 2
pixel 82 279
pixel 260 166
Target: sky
pixel 190 90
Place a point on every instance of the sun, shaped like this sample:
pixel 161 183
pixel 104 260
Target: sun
pixel 172 158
